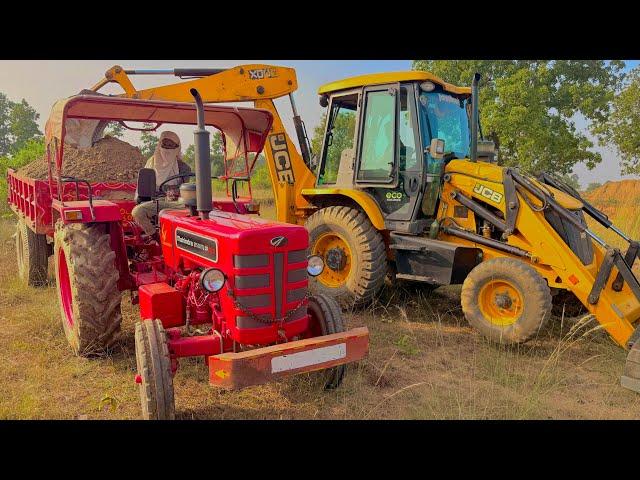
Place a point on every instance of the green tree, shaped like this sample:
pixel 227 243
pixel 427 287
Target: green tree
pixel 572 180
pixel 623 126
pixel 148 140
pixel 18 125
pixel 115 129
pixel 216 155
pixel 343 134
pixel 528 108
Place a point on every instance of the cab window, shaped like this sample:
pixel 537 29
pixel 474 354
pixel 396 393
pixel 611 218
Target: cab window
pixel 378 137
pixel 339 139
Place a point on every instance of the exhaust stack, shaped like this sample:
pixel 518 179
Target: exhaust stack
pixel 202 160
pixel 474 117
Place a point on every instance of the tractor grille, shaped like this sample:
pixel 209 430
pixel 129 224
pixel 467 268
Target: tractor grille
pixel 273 276
pixel 579 243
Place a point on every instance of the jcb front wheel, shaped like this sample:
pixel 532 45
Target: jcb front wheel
pixel 506 300
pixel 154 378
pixel 354 255
pixel 326 318
pixel 87 282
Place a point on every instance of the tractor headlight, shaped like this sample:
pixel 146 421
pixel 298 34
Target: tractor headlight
pixel 315 265
pixel 212 279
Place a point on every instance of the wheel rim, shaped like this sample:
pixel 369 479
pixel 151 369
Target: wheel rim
pixel 64 287
pixel 315 328
pixel 500 302
pixel 332 246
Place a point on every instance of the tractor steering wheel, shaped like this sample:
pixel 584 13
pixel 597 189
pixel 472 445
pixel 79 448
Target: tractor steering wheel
pixel 161 192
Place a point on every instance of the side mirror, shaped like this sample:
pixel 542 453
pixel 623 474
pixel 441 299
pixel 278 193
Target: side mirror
pixel 436 150
pixel 324 101
pixel 486 151
pixel 146 185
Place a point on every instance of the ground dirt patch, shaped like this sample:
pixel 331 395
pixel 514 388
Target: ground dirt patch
pixel 425 362
pixel 108 160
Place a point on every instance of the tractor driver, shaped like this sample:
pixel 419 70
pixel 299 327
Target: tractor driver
pixel 167 162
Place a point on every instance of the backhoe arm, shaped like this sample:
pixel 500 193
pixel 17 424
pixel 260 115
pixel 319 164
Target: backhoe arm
pixel 260 84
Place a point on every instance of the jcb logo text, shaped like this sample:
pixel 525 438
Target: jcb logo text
pixel 487 193
pixel 281 158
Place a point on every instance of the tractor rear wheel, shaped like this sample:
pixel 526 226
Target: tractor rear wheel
pixel 32 255
pixel 87 281
pixel 506 300
pixel 326 319
pixel 354 255
pixel 154 378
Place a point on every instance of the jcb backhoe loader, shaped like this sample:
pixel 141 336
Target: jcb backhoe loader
pixel 405 185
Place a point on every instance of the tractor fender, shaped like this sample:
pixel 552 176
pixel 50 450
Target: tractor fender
pixel 365 201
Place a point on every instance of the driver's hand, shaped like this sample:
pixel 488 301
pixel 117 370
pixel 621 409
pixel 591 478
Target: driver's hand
pixel 173 194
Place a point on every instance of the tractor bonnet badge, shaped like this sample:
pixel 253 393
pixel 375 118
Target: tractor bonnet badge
pixel 278 241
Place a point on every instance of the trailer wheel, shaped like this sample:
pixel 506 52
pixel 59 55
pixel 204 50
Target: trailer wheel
pixel 354 255
pixel 154 371
pixel 506 300
pixel 87 282
pixel 32 255
pixel 326 319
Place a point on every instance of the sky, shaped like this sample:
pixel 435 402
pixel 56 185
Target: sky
pixel 42 82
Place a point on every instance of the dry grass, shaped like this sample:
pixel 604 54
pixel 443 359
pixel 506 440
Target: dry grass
pixel 424 363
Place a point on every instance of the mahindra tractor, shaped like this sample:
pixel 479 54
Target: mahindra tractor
pixel 217 282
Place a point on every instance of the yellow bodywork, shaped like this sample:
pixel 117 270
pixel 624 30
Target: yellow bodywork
pixel 390 77
pixel 552 258
pixel 366 201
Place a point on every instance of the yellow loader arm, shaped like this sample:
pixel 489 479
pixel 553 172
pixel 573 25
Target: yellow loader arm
pixel 257 83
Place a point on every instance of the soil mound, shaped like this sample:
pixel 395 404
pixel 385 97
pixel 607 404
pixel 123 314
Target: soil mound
pixel 108 160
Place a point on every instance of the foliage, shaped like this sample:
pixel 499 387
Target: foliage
pixel 528 108
pixel 114 129
pixel 18 125
pixel 148 140
pixel 216 155
pixel 572 180
pixel 342 138
pixel 623 127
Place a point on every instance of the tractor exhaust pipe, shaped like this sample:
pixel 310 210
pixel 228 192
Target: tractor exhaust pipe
pixel 202 160
pixel 474 117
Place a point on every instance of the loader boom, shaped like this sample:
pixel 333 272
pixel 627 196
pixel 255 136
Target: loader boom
pixel 256 83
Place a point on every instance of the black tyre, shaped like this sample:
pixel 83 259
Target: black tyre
pixel 154 371
pixel 506 300
pixel 326 319
pixel 87 283
pixel 32 255
pixel 567 304
pixel 354 254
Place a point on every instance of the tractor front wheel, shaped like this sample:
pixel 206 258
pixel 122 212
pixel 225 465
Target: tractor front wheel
pixel 506 300
pixel 353 252
pixel 32 255
pixel 87 281
pixel 154 378
pixel 326 319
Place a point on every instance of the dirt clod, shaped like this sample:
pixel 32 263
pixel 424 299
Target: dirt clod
pixel 108 160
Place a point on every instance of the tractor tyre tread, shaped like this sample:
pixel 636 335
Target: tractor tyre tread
pixel 32 247
pixel 332 322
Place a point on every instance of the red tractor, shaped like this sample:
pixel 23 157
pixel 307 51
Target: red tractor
pixel 218 283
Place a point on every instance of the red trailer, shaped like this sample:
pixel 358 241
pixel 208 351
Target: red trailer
pixel 217 283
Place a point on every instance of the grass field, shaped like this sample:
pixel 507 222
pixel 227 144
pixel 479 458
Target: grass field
pixel 425 362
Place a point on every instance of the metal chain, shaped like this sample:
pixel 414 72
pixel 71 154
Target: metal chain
pixel 282 320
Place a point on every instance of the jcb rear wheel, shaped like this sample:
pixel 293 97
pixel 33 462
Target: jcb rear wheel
pixel 32 255
pixel 87 281
pixel 154 371
pixel 353 252
pixel 326 319
pixel 506 300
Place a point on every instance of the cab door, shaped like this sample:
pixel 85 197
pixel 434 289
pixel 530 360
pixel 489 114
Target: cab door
pixel 388 165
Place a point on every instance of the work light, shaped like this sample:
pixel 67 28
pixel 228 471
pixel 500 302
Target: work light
pixel 315 265
pixel 212 279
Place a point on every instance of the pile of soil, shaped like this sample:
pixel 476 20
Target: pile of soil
pixel 108 160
